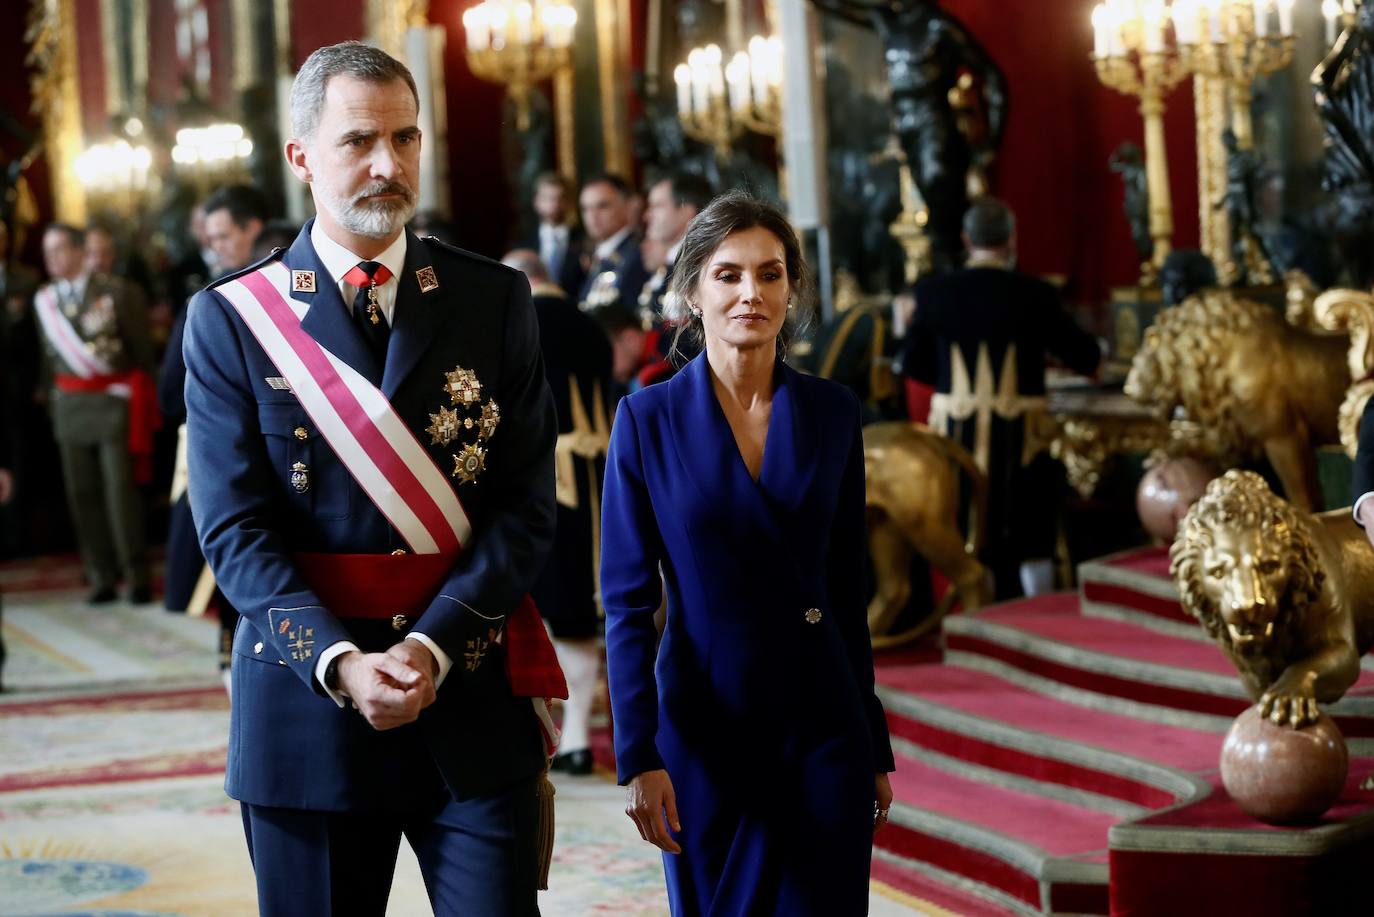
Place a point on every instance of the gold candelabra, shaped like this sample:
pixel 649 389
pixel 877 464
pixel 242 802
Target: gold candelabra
pixel 519 44
pixel 1131 57
pixel 1228 44
pixel 716 103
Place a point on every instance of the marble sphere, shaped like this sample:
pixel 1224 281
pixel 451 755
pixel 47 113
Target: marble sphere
pixel 1167 491
pixel 1281 775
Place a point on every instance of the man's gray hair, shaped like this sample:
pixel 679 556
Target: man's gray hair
pixel 348 58
pixel 989 223
pixel 527 261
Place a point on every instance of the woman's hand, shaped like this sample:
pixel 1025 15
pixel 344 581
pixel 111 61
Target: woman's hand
pixel 882 795
pixel 649 801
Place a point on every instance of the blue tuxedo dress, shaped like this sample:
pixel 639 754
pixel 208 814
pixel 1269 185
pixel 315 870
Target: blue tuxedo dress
pixel 759 699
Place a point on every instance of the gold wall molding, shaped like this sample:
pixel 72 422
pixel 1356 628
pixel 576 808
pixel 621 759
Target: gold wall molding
pixel 612 55
pixel 51 37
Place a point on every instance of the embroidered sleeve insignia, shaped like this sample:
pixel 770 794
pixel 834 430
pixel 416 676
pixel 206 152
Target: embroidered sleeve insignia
pixel 469 463
pixel 462 387
pixel 443 427
pixel 302 643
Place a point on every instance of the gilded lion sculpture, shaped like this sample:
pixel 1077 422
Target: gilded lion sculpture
pixel 1287 595
pixel 913 508
pixel 1246 384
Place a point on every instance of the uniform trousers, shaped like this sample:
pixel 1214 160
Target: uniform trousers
pixel 478 857
pixel 106 511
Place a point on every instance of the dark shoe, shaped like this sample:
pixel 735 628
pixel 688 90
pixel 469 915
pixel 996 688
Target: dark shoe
pixel 576 763
pixel 141 595
pixel 102 596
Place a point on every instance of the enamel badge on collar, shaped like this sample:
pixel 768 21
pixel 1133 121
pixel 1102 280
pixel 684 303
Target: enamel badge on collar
pixel 302 281
pixel 425 277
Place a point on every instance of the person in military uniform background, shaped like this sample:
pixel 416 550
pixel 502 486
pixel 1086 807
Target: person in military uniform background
pixel 980 336
pixel 380 557
pixel 577 363
pixel 99 354
pixel 615 269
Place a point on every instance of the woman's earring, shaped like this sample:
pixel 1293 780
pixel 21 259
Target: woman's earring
pixel 790 304
pixel 696 313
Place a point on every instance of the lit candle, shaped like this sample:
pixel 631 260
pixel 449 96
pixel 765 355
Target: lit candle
pixel 1185 14
pixel 1332 11
pixel 737 74
pixel 1099 31
pixel 759 66
pixel 475 24
pixel 524 23
pixel 682 75
pixel 1261 18
pixel 1154 27
pixel 715 76
pixel 696 61
pixel 1286 18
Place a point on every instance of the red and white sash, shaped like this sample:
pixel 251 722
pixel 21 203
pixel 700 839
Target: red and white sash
pixel 354 417
pixel 74 351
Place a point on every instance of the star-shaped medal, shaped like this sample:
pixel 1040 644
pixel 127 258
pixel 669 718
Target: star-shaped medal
pixel 469 463
pixel 491 416
pixel 443 427
pixel 462 386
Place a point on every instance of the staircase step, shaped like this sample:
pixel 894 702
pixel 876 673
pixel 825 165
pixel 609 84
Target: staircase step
pixel 1022 848
pixel 1045 645
pixel 990 723
pixel 1135 586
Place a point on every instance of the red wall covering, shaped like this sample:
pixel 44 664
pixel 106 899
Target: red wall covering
pixel 1063 127
pixel 483 213
pixel 316 23
pixel 90 77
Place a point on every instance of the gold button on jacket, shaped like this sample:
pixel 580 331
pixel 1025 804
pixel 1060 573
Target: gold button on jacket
pixel 813 615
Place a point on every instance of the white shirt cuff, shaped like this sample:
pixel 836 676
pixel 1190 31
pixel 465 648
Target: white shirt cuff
pixel 440 656
pixel 334 649
pixel 1355 510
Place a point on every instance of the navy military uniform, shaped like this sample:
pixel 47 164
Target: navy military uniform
pixel 616 280
pixel 980 336
pixel 326 797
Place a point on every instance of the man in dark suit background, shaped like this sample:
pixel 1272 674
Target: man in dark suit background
pixel 980 336
pixel 674 201
pixel 577 363
pixel 234 219
pixel 616 273
pixel 560 242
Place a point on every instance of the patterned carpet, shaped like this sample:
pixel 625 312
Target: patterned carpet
pixel 112 739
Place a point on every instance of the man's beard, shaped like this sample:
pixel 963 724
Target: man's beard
pixel 369 219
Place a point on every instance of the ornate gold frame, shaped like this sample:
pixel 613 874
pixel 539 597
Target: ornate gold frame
pixel 51 37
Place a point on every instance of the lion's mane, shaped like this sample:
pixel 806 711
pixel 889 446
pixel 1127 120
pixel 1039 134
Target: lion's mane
pixel 1242 500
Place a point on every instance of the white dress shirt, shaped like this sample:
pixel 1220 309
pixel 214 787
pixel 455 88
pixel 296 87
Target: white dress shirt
pixel 553 246
pixel 607 248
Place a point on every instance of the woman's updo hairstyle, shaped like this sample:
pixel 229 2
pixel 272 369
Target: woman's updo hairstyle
pixel 728 213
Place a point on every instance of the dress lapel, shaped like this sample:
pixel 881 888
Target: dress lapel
pixel 790 454
pixel 417 316
pixel 328 319
pixel 706 446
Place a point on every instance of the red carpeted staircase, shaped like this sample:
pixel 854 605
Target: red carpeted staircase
pixel 1062 758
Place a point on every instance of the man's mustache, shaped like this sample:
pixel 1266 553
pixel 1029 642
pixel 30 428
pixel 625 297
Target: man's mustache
pixel 391 187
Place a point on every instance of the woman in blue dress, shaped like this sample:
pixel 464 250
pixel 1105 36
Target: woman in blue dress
pixel 753 746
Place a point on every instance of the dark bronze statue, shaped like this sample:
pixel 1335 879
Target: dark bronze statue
pixel 1343 90
pixel 1129 162
pixel 1244 171
pixel 1186 271
pixel 926 50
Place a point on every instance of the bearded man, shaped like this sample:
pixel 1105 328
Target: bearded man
pixel 370 451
